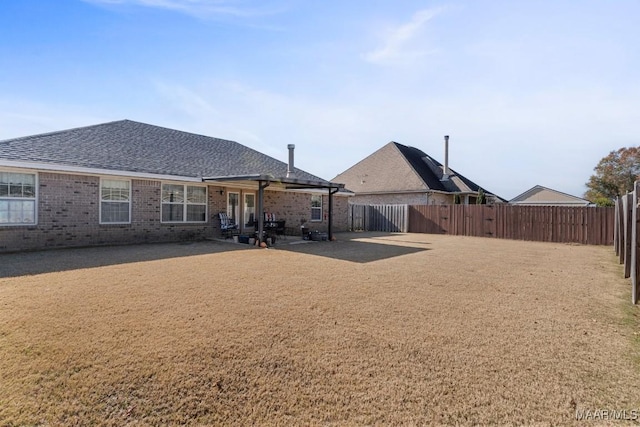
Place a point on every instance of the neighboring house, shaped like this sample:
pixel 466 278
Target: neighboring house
pixel 128 182
pixel 543 196
pixel 398 174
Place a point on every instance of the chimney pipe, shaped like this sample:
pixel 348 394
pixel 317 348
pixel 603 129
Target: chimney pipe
pixel 445 171
pixel 291 147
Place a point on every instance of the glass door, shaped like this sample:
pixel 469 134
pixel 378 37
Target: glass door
pixel 233 206
pixel 249 210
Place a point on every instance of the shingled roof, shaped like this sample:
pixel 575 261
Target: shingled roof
pixel 131 146
pixel 396 168
pixel 430 171
pixel 544 196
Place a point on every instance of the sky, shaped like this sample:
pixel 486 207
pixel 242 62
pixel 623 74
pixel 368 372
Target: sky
pixel 530 92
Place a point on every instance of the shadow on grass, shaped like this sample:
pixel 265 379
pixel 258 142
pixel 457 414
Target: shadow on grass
pixel 358 247
pixel 48 261
pixel 353 247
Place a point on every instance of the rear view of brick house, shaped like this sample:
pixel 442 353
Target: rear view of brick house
pixel 130 182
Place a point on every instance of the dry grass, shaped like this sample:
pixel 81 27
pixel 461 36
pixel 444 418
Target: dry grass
pixel 369 330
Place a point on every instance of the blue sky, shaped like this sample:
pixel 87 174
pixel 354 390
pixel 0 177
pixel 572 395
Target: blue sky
pixel 529 92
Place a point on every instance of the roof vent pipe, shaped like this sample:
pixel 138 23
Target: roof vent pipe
pixel 291 147
pixel 445 171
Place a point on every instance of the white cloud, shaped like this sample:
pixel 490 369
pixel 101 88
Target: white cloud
pixel 186 100
pixel 505 143
pixel 510 143
pixel 198 8
pixel 327 135
pixel 20 117
pixel 398 46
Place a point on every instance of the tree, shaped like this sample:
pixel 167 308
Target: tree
pixel 614 176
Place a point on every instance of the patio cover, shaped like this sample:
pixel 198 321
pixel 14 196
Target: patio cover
pixel 288 183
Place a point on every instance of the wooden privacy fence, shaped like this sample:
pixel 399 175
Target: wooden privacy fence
pixel 627 238
pixel 389 218
pixel 586 225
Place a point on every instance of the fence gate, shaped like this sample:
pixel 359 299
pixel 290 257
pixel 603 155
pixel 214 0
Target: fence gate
pixel 387 218
pixel 356 217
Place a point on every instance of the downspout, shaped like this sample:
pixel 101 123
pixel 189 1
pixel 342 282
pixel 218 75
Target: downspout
pixel 261 186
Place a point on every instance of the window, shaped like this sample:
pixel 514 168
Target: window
pixel 196 204
pixel 115 201
pixel 17 198
pixel 316 207
pixel 184 203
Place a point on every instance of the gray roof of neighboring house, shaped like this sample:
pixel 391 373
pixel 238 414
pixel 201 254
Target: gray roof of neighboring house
pixel 131 146
pixel 400 168
pixel 431 171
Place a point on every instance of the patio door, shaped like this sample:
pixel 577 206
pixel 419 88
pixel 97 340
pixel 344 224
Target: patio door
pixel 249 210
pixel 233 206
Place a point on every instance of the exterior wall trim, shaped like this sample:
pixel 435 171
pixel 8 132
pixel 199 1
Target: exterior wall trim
pixel 450 193
pixel 73 170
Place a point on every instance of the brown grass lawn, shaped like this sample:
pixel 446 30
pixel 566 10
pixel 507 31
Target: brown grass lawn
pixel 370 330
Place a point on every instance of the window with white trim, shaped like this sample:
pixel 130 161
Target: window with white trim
pixel 115 201
pixel 184 203
pixel 316 207
pixel 17 198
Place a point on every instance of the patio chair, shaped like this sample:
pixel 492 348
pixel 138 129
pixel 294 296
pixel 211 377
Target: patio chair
pixel 280 229
pixel 270 226
pixel 228 227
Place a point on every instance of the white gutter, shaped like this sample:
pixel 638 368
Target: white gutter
pixel 93 171
pixel 376 193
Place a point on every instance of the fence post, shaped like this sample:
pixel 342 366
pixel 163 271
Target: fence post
pixel 634 244
pixel 616 228
pixel 622 229
pixel 405 219
pixel 627 202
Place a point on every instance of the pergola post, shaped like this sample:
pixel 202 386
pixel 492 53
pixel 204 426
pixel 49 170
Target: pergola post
pixel 261 186
pixel 330 225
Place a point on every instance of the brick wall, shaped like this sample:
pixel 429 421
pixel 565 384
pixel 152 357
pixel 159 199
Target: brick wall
pixel 295 209
pixel 69 214
pixel 402 199
pixel 390 199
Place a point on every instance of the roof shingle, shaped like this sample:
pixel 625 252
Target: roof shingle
pixel 131 146
pixel 398 168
